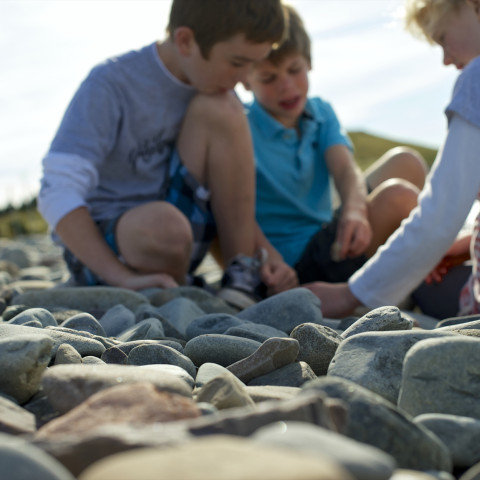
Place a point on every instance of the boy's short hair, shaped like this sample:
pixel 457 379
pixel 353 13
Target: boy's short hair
pixel 422 17
pixel 214 21
pixel 297 40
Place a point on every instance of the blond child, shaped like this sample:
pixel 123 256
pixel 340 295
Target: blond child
pixel 452 185
pixel 130 188
pixel 300 147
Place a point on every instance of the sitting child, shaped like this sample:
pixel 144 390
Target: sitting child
pixel 452 186
pixel 300 147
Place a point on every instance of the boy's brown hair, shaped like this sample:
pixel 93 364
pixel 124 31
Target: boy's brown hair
pixel 213 21
pixel 297 40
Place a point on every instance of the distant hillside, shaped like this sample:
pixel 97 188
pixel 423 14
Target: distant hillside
pixel 368 148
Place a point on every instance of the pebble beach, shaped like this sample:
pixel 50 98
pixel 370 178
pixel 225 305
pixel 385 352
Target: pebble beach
pixel 102 383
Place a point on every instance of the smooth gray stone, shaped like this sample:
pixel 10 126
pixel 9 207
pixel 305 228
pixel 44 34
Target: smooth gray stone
pixel 318 345
pixel 14 419
pixel 147 311
pixel 263 393
pixel 86 323
pixel 379 319
pixel 206 301
pixel 42 409
pixel 80 334
pixel 179 313
pixel 12 310
pixel 471 325
pixel 66 354
pixel 19 254
pixel 174 370
pixel 34 314
pixel 117 319
pixel 461 435
pixel 207 372
pixel 160 354
pixel 23 359
pixel 221 349
pixel 21 460
pixel 375 360
pixel 119 353
pixel 285 310
pixel 77 452
pixel 362 461
pixel 292 375
pixel 85 299
pixel 313 408
pixel 148 329
pixel 84 344
pixel 33 323
pixel 224 391
pixel 90 360
pixel 66 386
pixel 211 323
pixel 472 473
pixel 256 331
pixel 441 376
pixel 377 422
pixel 455 321
pixel 271 355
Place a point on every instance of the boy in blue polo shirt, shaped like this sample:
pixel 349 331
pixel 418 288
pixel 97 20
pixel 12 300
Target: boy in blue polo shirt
pixel 300 148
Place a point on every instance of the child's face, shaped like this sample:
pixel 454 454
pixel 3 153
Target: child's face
pixel 459 36
pixel 228 63
pixel 281 89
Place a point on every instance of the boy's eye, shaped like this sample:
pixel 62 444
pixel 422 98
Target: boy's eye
pixel 295 70
pixel 237 64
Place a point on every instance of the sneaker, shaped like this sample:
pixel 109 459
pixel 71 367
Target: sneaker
pixel 241 284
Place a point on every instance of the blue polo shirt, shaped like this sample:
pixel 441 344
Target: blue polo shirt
pixel 293 183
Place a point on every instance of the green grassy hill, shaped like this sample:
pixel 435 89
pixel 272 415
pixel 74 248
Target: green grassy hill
pixel 368 148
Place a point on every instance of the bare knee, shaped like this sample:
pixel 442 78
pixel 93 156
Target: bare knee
pixel 399 162
pixel 396 196
pixel 221 111
pixel 156 237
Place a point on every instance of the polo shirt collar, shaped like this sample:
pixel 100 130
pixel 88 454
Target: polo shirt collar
pixel 270 128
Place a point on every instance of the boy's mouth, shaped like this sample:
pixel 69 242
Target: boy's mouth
pixel 290 103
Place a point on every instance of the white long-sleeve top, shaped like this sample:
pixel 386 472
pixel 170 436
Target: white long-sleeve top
pixel 452 186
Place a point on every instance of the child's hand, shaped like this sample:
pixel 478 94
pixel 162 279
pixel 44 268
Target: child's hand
pixel 278 276
pixel 353 236
pixel 458 253
pixel 337 299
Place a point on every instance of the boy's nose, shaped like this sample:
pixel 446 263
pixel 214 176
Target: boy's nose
pixel 447 59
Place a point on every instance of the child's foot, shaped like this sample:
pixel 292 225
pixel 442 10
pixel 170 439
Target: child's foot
pixel 241 282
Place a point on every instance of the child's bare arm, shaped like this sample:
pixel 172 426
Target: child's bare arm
pixel 354 232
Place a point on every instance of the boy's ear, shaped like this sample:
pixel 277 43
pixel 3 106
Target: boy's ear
pixel 184 39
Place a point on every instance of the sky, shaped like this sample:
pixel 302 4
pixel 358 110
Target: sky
pixel 378 78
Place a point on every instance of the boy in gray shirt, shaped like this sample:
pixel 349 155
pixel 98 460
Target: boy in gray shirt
pixel 153 158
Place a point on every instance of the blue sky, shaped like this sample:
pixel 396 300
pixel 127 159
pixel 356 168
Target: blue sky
pixel 378 78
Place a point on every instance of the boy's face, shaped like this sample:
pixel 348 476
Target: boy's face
pixel 228 63
pixel 459 36
pixel 281 89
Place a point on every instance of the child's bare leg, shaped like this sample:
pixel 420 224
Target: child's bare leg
pixel 215 147
pixel 399 162
pixel 388 205
pixel 156 238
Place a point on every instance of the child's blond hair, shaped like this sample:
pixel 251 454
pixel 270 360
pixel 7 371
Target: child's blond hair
pixel 422 17
pixel 213 21
pixel 297 40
